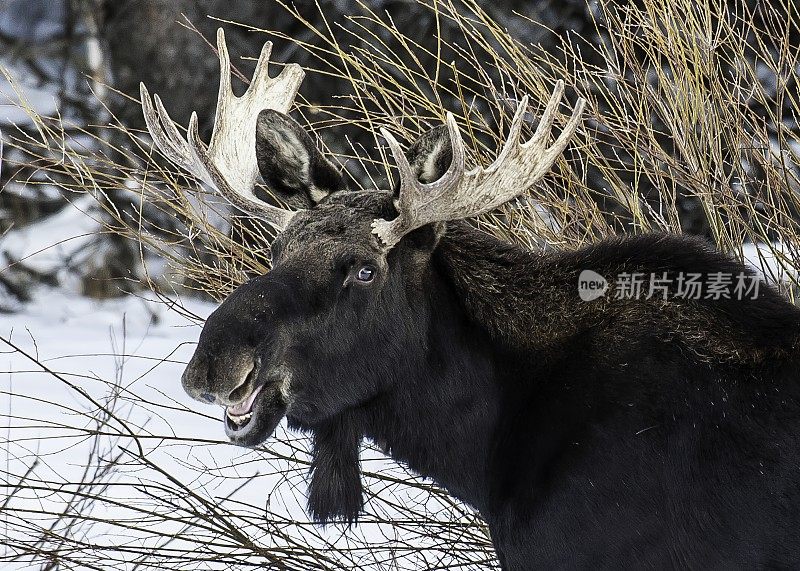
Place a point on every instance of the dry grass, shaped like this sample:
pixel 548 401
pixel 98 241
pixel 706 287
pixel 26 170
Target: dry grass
pixel 686 105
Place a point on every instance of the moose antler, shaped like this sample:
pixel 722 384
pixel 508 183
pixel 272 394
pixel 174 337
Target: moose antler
pixel 461 195
pixel 228 163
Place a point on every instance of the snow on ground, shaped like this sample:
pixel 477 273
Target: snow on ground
pixel 51 244
pixel 17 95
pixel 29 23
pixel 136 348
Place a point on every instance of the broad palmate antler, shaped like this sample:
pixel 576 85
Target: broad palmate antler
pixel 460 194
pixel 228 163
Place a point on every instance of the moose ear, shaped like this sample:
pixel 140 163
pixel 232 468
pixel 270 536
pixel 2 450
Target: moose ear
pixel 290 163
pixel 430 157
pixel 431 154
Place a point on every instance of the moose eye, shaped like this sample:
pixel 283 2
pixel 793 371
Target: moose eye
pixel 366 274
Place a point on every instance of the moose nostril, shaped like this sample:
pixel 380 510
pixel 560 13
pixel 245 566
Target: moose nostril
pixel 208 397
pixel 239 393
pixel 243 390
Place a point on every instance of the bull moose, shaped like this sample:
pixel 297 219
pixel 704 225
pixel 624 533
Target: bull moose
pixel 647 431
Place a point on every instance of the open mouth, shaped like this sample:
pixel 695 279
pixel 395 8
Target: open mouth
pixel 238 416
pixel 254 418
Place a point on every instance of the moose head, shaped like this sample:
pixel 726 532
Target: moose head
pixel 343 312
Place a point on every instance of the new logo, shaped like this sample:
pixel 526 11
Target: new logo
pixel 591 285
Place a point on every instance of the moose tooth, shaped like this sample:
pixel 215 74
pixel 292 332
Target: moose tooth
pixel 240 419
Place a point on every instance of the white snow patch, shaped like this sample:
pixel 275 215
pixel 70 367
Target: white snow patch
pixel 16 97
pixel 762 258
pixel 56 243
pixel 136 348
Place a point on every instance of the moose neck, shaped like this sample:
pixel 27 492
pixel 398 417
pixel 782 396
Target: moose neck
pixel 526 301
pixel 440 417
pixel 443 420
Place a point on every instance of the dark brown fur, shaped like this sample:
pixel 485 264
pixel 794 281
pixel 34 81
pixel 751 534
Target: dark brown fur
pixel 614 433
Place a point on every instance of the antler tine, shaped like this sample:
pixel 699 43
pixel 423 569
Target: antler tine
pixel 538 143
pixel 416 197
pixel 225 90
pixel 408 181
pixel 154 119
pixel 514 133
pixel 259 86
pixel 171 131
pixel 462 195
pixel 228 163
pixel 539 138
